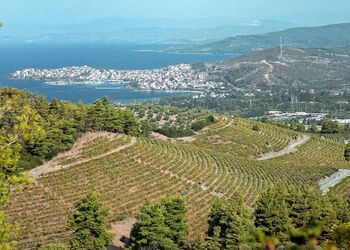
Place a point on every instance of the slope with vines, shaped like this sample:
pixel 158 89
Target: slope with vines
pixel 150 169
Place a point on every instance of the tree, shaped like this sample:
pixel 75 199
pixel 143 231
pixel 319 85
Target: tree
pixel 162 225
pixel 175 219
pixel 330 127
pixel 341 236
pixel 88 225
pixel 146 128
pixel 256 128
pixel 300 127
pixel 150 230
pixel 347 152
pixel 234 221
pixel 305 206
pixel 19 124
pixel 313 128
pixel 272 214
pixel 214 242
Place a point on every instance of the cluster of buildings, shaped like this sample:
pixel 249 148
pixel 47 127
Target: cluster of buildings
pixel 177 77
pixel 301 116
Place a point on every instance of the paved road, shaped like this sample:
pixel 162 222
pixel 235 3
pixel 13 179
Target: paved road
pixel 292 147
pixel 333 180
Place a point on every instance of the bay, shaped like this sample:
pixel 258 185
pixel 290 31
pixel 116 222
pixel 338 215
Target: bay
pixel 112 56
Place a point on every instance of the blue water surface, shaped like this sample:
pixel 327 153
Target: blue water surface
pixel 117 56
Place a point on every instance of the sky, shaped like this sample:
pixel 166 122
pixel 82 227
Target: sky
pixel 54 12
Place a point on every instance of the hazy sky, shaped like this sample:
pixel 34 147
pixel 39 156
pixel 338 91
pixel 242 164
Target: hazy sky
pixel 77 11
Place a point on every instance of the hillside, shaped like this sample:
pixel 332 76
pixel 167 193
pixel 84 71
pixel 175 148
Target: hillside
pixel 334 35
pixel 148 169
pixel 310 68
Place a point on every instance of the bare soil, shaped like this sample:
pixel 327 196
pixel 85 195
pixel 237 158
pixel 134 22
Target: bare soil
pixel 121 229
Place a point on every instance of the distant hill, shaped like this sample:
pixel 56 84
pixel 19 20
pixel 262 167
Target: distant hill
pixel 308 67
pixel 190 31
pixel 334 35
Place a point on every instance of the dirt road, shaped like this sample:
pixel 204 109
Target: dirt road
pixel 292 147
pixel 333 180
pixel 53 165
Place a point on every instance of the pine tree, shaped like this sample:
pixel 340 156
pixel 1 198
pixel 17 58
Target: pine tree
pixel 234 220
pixel 175 219
pixel 88 225
pixel 305 206
pixel 150 230
pixel 19 125
pixel 213 242
pixel 272 214
pixel 341 236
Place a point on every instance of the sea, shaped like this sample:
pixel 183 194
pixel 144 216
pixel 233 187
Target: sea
pixel 112 56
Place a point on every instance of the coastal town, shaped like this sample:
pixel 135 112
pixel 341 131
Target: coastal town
pixel 177 77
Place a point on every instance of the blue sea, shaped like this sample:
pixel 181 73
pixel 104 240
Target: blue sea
pixel 117 56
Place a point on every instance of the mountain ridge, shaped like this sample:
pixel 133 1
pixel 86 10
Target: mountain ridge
pixel 333 35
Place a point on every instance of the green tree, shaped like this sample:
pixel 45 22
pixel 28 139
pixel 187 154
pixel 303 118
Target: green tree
pixel 150 230
pixel 347 152
pixel 234 220
pixel 161 225
pixel 146 128
pixel 330 127
pixel 176 220
pixel 341 236
pixel 214 242
pixel 88 225
pixel 305 206
pixel 300 127
pixel 272 214
pixel 313 128
pixel 19 125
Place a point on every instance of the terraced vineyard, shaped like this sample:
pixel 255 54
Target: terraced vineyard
pixel 214 165
pixel 238 137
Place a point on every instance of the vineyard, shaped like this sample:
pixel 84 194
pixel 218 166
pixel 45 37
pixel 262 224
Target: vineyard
pixel 221 161
pixel 343 188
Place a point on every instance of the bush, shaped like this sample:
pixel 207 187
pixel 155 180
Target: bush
pixel 347 152
pixel 256 128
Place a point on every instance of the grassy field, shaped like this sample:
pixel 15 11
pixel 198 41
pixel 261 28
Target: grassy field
pixel 220 162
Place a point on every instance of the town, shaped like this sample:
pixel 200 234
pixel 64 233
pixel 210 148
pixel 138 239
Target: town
pixel 177 77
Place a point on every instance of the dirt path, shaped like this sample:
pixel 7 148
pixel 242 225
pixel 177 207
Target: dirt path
pixel 292 147
pixel 333 180
pixel 121 229
pixel 270 71
pixel 53 165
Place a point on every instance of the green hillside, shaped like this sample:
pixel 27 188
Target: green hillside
pixel 221 161
pixel 334 35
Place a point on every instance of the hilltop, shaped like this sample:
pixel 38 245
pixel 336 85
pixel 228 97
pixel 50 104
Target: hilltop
pixel 327 36
pixel 126 171
pixel 305 80
pixel 308 67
